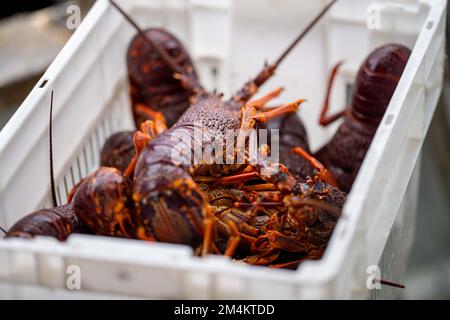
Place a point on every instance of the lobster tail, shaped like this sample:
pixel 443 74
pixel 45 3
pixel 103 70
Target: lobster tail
pixel 377 80
pixel 57 222
pixel 103 203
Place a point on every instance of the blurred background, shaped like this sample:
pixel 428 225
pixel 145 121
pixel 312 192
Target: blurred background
pixel 33 32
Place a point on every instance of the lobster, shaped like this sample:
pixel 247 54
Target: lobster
pixel 99 204
pixel 303 214
pixel 169 204
pixel 375 84
pixel 288 220
pixel 302 227
pixel 155 93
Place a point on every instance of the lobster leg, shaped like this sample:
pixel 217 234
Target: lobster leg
pixel 287 108
pixel 209 226
pixel 149 130
pixel 323 174
pixel 265 258
pixel 125 223
pixel 155 116
pixel 325 119
pixel 142 235
pixel 252 111
pixel 234 240
pixel 260 103
pixel 238 178
pixel 260 204
pixel 262 187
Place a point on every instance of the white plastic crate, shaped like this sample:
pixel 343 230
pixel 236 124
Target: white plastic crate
pixel 233 37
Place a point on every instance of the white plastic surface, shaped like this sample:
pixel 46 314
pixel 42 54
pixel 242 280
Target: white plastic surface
pixel 229 41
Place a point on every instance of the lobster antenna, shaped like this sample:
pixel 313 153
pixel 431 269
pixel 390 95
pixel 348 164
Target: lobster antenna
pixel 50 143
pixel 3 230
pixel 391 284
pixel 304 33
pixel 251 87
pixel 163 54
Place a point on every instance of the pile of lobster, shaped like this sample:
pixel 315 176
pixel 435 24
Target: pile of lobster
pixel 258 211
